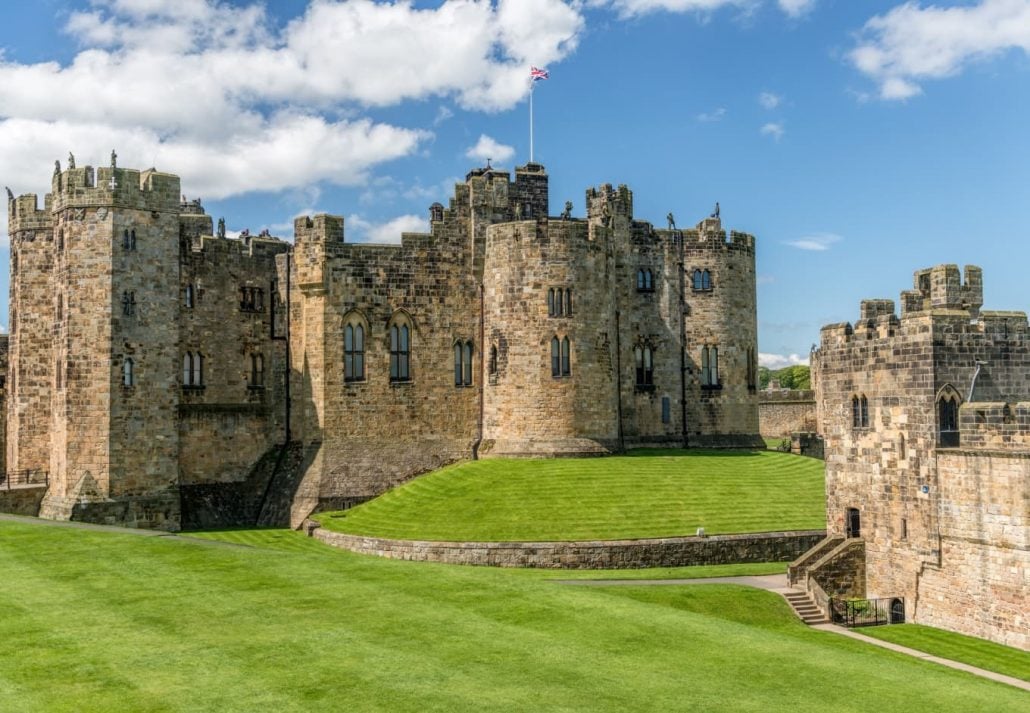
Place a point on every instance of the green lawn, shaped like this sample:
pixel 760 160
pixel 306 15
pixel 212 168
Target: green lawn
pixel 642 494
pixel 94 621
pixel 967 649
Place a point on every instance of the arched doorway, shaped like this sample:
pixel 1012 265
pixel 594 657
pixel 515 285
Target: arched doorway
pixel 897 611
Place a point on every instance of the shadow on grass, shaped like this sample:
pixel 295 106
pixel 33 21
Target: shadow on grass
pixel 687 453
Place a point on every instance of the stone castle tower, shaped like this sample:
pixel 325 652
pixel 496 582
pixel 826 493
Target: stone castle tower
pixel 159 371
pixel 926 419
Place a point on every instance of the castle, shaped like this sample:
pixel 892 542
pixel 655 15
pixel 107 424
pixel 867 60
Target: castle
pixel 162 374
pixel 926 419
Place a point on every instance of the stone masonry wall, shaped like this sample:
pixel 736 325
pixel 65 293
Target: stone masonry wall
pixel 591 554
pixel 783 412
pixel 893 471
pixel 985 548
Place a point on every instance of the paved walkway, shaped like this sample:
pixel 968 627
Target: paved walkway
pixel 778 583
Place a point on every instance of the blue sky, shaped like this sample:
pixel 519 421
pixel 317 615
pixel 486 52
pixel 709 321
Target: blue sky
pixel 859 141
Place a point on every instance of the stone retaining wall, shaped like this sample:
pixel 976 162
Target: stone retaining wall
pixel 590 554
pixel 782 412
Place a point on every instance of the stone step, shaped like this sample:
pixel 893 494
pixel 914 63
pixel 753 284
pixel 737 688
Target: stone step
pixel 805 608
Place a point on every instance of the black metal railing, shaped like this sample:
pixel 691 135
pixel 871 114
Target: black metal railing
pixel 867 612
pixel 32 478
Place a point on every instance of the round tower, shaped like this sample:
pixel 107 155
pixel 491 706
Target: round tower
pixel 721 337
pixel 549 332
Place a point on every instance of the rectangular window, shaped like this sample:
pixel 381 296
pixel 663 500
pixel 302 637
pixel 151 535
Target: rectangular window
pixel 666 410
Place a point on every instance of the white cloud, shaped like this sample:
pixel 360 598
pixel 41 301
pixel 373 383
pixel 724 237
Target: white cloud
pixel 911 43
pixel 779 361
pixel 818 242
pixel 489 148
pixel 712 116
pixel 773 129
pixel 220 95
pixel 770 101
pixel 630 8
pixel 796 8
pixel 359 230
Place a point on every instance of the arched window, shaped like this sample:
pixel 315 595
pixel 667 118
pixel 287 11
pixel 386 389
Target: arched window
pixel 706 280
pixel 752 370
pixel 257 371
pixel 128 303
pixel 128 373
pixel 568 302
pixel 493 359
pixel 354 352
pixel 187 369
pixel 566 357
pixel 125 240
pixel 645 280
pixel 132 239
pixel 697 279
pixel 860 411
pixel 706 374
pixel 555 357
pixel 189 296
pixel 551 310
pixel 645 365
pixel 400 352
pixel 865 412
pixel 947 419
pixel 468 363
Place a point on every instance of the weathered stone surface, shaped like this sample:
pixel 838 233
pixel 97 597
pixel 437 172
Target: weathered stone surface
pixel 589 554
pixel 117 274
pixel 782 412
pixel 944 527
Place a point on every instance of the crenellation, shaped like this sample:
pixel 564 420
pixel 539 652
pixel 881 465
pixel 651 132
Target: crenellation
pixel 927 444
pixel 153 358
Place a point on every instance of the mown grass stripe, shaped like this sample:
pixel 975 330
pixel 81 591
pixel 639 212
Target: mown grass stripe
pixel 638 495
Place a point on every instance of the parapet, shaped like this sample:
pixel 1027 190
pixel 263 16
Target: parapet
pixel 322 228
pixel 995 426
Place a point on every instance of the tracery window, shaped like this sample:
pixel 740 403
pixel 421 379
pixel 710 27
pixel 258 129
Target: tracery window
pixel 354 352
pixel 128 372
pixel 400 351
pixel 645 280
pixel 257 371
pixel 710 366
pixel 463 363
pixel 644 359
pixel 193 370
pixel 859 411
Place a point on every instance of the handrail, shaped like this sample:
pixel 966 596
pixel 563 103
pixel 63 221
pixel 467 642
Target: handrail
pixel 27 478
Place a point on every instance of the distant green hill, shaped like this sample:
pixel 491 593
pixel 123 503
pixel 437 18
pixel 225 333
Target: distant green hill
pixel 642 494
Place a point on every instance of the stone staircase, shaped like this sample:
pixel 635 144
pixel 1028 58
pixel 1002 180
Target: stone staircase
pixel 805 607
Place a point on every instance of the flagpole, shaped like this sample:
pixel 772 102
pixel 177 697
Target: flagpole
pixel 531 85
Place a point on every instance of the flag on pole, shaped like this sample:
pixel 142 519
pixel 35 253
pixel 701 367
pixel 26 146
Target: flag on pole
pixel 538 75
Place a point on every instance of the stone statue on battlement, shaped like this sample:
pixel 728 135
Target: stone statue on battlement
pixel 57 167
pixel 221 227
pixel 114 159
pixel 672 221
pixel 567 213
pixel 71 160
pixel 715 213
pixel 10 195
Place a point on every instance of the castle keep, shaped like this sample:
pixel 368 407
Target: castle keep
pixel 161 373
pixel 926 419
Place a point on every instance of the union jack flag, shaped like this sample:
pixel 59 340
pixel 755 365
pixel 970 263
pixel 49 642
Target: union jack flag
pixel 538 75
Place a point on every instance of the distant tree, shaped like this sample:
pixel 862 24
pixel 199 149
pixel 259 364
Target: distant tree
pixel 764 374
pixel 790 377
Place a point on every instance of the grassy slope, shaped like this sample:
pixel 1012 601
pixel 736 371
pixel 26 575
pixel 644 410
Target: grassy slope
pixel 642 494
pixel 100 622
pixel 967 649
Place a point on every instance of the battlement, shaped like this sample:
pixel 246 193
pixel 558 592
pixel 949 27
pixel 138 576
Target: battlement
pixel 942 288
pixel 84 187
pixel 24 213
pixel 995 426
pixel 250 246
pixel 605 203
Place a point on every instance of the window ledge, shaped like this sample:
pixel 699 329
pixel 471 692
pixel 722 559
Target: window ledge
pixel 645 387
pixel 255 387
pixel 354 382
pixel 703 289
pixel 193 387
pixel 401 382
pixel 711 387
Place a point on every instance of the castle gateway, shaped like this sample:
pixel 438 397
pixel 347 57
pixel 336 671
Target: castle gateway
pixel 162 374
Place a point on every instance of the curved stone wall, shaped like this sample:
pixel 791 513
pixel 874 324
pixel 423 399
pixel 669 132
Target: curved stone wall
pixel 589 554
